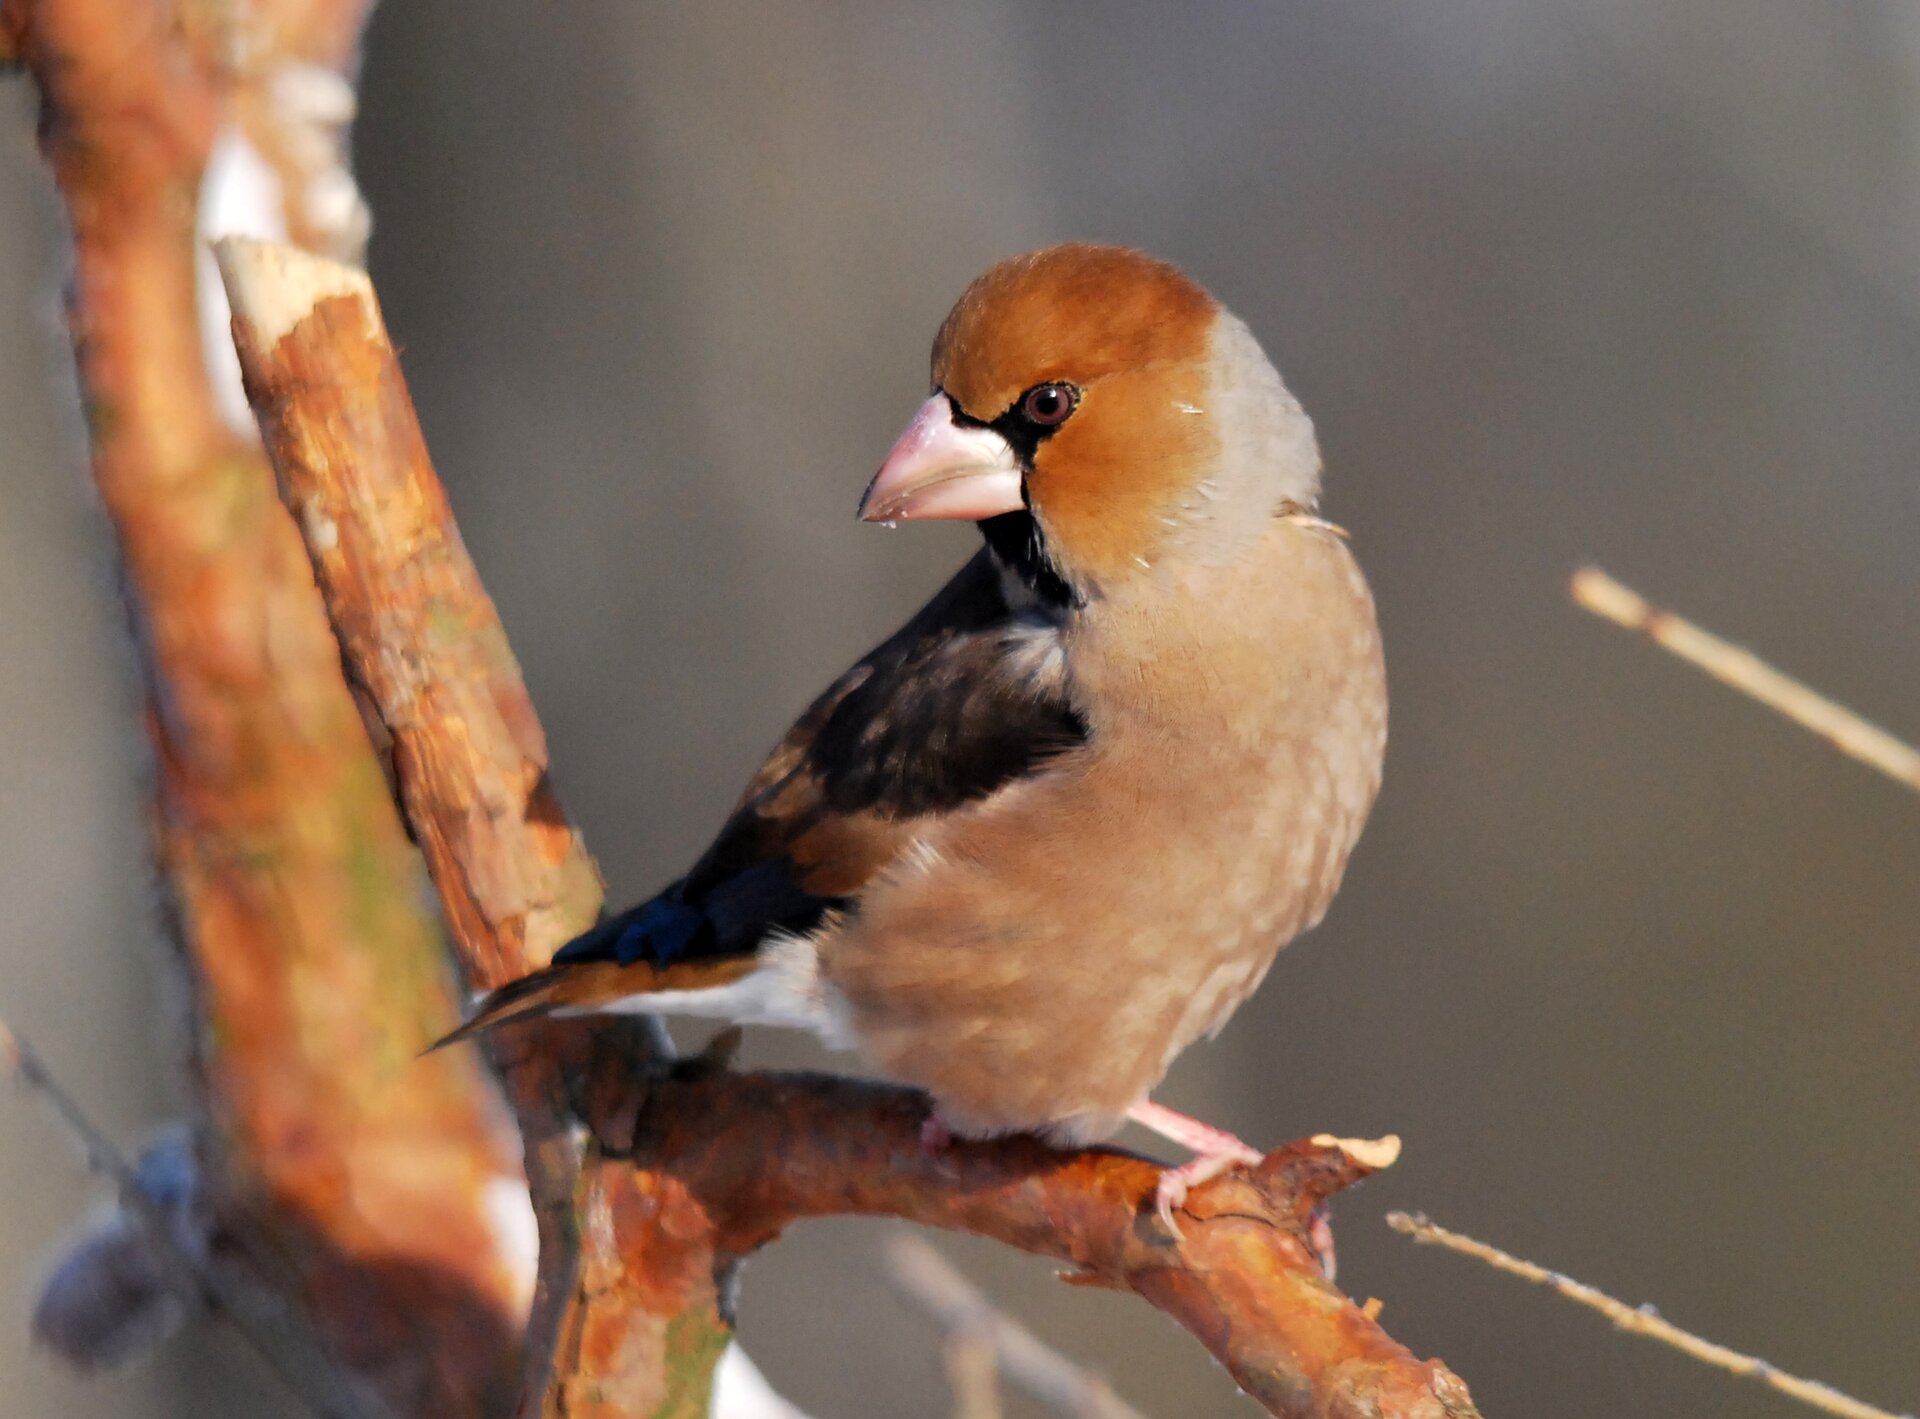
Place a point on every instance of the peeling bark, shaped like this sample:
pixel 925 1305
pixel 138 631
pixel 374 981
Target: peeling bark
pixel 425 647
pixel 734 1159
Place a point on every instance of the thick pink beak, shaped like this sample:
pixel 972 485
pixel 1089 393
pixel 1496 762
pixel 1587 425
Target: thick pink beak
pixel 939 468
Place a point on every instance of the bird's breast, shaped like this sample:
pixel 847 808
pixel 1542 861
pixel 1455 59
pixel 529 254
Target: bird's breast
pixel 1046 954
pixel 1255 740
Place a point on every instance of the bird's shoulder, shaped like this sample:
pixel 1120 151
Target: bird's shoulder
pixel 969 695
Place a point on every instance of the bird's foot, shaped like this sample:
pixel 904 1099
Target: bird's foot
pixel 1176 1183
pixel 1218 1151
pixel 1320 1241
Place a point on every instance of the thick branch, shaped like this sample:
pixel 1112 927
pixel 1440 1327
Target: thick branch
pixel 469 761
pixel 356 1183
pixel 742 1156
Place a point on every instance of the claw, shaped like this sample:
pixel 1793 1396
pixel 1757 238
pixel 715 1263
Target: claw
pixel 1169 1197
pixel 1218 1150
pixel 1176 1183
pixel 1320 1239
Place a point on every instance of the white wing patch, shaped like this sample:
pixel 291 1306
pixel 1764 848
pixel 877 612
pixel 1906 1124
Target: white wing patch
pixel 785 992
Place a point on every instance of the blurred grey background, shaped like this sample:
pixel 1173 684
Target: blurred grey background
pixel 1627 961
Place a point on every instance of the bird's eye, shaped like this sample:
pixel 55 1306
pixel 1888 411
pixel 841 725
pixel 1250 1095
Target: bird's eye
pixel 1048 405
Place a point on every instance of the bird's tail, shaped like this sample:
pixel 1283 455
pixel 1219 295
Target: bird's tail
pixel 582 987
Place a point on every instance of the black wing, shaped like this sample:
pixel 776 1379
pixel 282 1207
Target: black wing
pixel 966 697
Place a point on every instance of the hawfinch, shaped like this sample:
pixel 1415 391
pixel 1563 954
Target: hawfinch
pixel 1056 827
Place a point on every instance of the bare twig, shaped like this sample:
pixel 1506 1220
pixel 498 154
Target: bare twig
pixel 1744 671
pixel 973 1374
pixel 965 1313
pixel 287 1349
pixel 1643 1320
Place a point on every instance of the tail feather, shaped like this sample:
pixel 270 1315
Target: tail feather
pixel 586 986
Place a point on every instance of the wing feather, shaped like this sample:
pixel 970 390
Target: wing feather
pixel 968 696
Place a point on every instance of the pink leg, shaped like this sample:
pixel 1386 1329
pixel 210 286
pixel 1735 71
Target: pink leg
pixel 1217 1152
pixel 935 1136
pixel 1320 1238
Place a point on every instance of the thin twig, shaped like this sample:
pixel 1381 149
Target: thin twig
pixel 973 1374
pixel 961 1309
pixel 304 1370
pixel 1593 590
pixel 1644 1320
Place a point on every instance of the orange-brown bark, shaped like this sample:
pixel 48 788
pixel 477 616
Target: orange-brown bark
pixel 350 1179
pixel 469 763
pixel 733 1159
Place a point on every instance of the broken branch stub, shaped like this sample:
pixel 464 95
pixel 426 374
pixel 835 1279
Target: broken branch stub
pixel 734 1159
pixel 424 646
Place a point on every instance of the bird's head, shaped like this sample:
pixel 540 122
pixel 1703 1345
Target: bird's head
pixel 1097 412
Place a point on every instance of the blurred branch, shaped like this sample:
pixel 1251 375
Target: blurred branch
pixel 1642 1320
pixel 427 650
pixel 731 1160
pixel 1593 590
pixel 177 1248
pixel 973 1374
pixel 974 1325
pixel 358 1193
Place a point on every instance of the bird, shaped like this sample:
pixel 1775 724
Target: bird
pixel 1056 828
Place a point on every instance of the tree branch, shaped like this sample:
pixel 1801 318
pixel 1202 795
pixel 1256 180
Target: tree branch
pixel 428 652
pixel 362 1188
pixel 171 1270
pixel 968 1317
pixel 1739 669
pixel 1644 1320
pixel 734 1159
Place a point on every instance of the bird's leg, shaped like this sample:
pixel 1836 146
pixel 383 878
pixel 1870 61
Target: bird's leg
pixel 935 1136
pixel 1320 1239
pixel 1216 1151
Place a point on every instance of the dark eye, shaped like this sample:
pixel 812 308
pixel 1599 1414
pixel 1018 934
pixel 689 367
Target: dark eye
pixel 1049 404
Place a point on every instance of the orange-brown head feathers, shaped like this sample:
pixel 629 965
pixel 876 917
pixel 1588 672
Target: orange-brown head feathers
pixel 1076 312
pixel 1139 417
